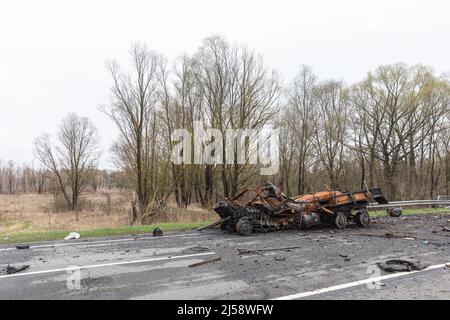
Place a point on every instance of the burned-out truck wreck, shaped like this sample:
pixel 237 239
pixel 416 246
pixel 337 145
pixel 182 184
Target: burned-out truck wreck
pixel 269 209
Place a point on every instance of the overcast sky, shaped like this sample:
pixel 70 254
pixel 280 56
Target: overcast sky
pixel 53 53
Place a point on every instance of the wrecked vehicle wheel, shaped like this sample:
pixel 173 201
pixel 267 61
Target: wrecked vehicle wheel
pixel 340 220
pixel 244 228
pixel 395 212
pixel 363 219
pixel 231 227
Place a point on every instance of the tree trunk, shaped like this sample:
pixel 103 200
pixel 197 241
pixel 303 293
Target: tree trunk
pixel 447 174
pixel 363 173
pixel 208 186
pixel 235 181
pixel 371 171
pixel 301 178
pixel 226 186
pixel 432 175
pixel 389 174
pixel 412 169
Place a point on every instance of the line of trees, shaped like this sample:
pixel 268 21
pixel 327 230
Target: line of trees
pixel 221 86
pixel 16 178
pixel 391 129
pixel 22 179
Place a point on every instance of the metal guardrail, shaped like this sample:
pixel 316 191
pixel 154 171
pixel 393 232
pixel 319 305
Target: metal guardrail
pixel 441 203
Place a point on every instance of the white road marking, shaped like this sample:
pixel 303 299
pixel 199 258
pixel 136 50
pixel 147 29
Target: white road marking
pixel 356 283
pixel 87 243
pixel 106 265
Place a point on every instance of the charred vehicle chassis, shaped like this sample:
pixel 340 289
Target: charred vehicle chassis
pixel 272 210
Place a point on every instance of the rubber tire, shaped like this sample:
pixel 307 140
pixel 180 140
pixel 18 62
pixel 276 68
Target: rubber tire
pixel 363 219
pixel 395 215
pixel 231 227
pixel 244 228
pixel 340 220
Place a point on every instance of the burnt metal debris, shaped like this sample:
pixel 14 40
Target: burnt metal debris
pixel 270 209
pixel 399 265
pixel 157 232
pixel 204 262
pixel 12 269
pixel 22 246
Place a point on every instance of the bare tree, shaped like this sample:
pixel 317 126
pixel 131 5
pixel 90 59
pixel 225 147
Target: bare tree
pixel 10 174
pixel 181 109
pixel 134 105
pixel 238 91
pixel 331 128
pixel 444 155
pixel 398 108
pixel 72 158
pixel 300 122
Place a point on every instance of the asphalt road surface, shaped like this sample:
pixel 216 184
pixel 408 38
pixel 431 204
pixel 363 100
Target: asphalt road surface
pixel 322 263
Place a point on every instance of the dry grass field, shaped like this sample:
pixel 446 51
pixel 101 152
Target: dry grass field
pixel 102 209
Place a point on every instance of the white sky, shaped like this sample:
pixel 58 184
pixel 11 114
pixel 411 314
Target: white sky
pixel 53 53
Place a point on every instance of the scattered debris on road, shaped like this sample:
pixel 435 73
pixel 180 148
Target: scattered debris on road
pixel 399 265
pixel 157 232
pixel 72 236
pixel 11 269
pixel 199 249
pixel 23 246
pixel 260 251
pixel 204 262
pixel 386 235
pixel 280 258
